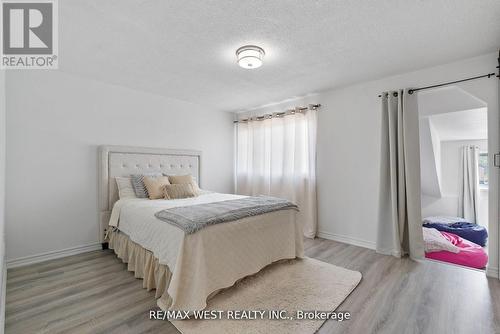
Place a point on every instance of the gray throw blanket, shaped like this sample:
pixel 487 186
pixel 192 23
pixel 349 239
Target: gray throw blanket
pixel 195 217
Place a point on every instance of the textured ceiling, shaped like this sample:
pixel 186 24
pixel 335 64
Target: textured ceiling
pixel 185 49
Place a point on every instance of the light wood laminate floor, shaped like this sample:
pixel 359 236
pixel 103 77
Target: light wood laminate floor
pixel 94 293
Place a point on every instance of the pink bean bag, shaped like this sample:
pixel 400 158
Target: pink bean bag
pixel 470 255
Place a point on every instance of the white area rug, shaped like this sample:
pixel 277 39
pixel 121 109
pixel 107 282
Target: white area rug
pixel 304 284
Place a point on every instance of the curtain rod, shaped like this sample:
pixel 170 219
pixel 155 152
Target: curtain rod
pixel 411 91
pixel 279 114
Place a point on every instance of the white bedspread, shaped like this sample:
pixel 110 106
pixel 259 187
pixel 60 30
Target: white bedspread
pixel 214 257
pixel 135 217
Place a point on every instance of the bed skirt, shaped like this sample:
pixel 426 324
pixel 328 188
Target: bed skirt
pixel 212 259
pixel 144 265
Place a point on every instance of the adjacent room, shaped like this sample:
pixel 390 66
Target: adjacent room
pixel 203 167
pixel 453 130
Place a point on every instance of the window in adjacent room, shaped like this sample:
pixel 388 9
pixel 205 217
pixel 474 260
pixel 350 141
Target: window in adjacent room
pixel 483 169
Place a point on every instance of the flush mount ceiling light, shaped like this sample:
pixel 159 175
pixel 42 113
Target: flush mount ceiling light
pixel 250 56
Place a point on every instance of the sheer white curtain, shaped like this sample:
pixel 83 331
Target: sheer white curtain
pixel 277 157
pixel 468 186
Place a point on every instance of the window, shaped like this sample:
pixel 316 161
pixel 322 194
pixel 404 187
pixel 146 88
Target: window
pixel 483 169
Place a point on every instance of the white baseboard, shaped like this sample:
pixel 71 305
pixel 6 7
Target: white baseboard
pixel 492 272
pixel 347 239
pixel 24 261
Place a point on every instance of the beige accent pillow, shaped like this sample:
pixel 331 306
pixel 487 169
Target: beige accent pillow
pixel 177 191
pixel 184 179
pixel 155 186
pixel 125 189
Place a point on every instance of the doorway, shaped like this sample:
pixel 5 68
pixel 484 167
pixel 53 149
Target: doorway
pixel 455 170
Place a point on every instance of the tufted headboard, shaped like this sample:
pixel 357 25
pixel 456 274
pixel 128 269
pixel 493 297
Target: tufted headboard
pixel 126 160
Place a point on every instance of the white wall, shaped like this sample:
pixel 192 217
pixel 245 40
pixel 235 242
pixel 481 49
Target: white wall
pixel 447 205
pixel 55 123
pixel 430 158
pixel 349 147
pixel 3 270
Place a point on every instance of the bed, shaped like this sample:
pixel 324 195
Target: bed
pixel 459 226
pixel 451 248
pixel 185 269
pixel 469 255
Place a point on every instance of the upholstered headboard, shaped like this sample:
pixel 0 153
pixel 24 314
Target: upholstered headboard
pixel 125 160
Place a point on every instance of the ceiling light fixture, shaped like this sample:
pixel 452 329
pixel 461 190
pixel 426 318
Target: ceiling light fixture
pixel 250 56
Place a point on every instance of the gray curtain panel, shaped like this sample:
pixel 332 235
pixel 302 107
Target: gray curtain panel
pixel 400 221
pixel 468 186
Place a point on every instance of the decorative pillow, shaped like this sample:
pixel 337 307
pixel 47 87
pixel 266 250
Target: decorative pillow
pixel 125 189
pixel 138 184
pixel 434 241
pixel 155 185
pixel 184 179
pixel 177 191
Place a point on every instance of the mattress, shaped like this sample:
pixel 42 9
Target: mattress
pixel 214 257
pixel 469 255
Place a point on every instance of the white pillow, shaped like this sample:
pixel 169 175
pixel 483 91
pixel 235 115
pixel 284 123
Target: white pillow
pixel 434 241
pixel 125 189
